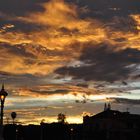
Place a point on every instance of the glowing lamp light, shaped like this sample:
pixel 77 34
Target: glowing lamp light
pixel 2 97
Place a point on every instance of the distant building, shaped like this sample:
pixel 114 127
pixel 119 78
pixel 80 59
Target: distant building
pixel 111 125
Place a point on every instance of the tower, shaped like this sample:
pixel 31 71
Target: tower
pixel 109 106
pixel 105 107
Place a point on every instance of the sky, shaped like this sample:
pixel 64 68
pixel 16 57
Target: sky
pixel 69 56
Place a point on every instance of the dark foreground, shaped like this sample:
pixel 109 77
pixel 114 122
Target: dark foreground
pixel 107 125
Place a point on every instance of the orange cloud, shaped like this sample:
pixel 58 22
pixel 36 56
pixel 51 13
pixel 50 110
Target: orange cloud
pixel 64 33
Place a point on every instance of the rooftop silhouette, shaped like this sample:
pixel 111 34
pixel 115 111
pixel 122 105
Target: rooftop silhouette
pixel 106 125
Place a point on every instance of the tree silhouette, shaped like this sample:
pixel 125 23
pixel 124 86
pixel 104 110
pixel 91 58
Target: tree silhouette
pixel 13 115
pixel 61 118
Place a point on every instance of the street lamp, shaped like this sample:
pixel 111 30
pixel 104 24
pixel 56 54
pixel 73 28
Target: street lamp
pixel 3 95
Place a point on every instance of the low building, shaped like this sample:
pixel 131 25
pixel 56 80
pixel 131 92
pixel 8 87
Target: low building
pixel 111 125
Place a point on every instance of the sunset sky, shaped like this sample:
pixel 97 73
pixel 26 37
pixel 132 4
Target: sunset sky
pixel 69 56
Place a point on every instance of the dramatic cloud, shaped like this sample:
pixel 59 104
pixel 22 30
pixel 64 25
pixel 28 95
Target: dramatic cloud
pixel 105 63
pixel 68 51
pixel 126 101
pixel 16 7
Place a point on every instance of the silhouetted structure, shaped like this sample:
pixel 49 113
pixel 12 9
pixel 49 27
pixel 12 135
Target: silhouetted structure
pixel 106 125
pixel 61 118
pixel 3 95
pixel 105 107
pixel 13 115
pixel 112 125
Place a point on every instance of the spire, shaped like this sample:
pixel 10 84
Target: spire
pixel 105 107
pixel 109 106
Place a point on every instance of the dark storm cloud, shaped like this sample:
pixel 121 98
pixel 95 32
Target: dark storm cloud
pixel 108 8
pixel 11 10
pixel 20 7
pixel 18 50
pixel 113 13
pixel 126 101
pixel 104 63
pixel 20 26
pixel 125 24
pixel 27 50
pixel 99 8
pixel 67 31
pixel 44 92
pixel 137 76
pixel 19 79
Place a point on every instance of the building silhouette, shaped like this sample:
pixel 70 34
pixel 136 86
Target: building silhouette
pixel 111 125
pixel 106 125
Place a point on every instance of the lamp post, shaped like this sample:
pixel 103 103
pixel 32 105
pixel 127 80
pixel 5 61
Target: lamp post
pixel 3 95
